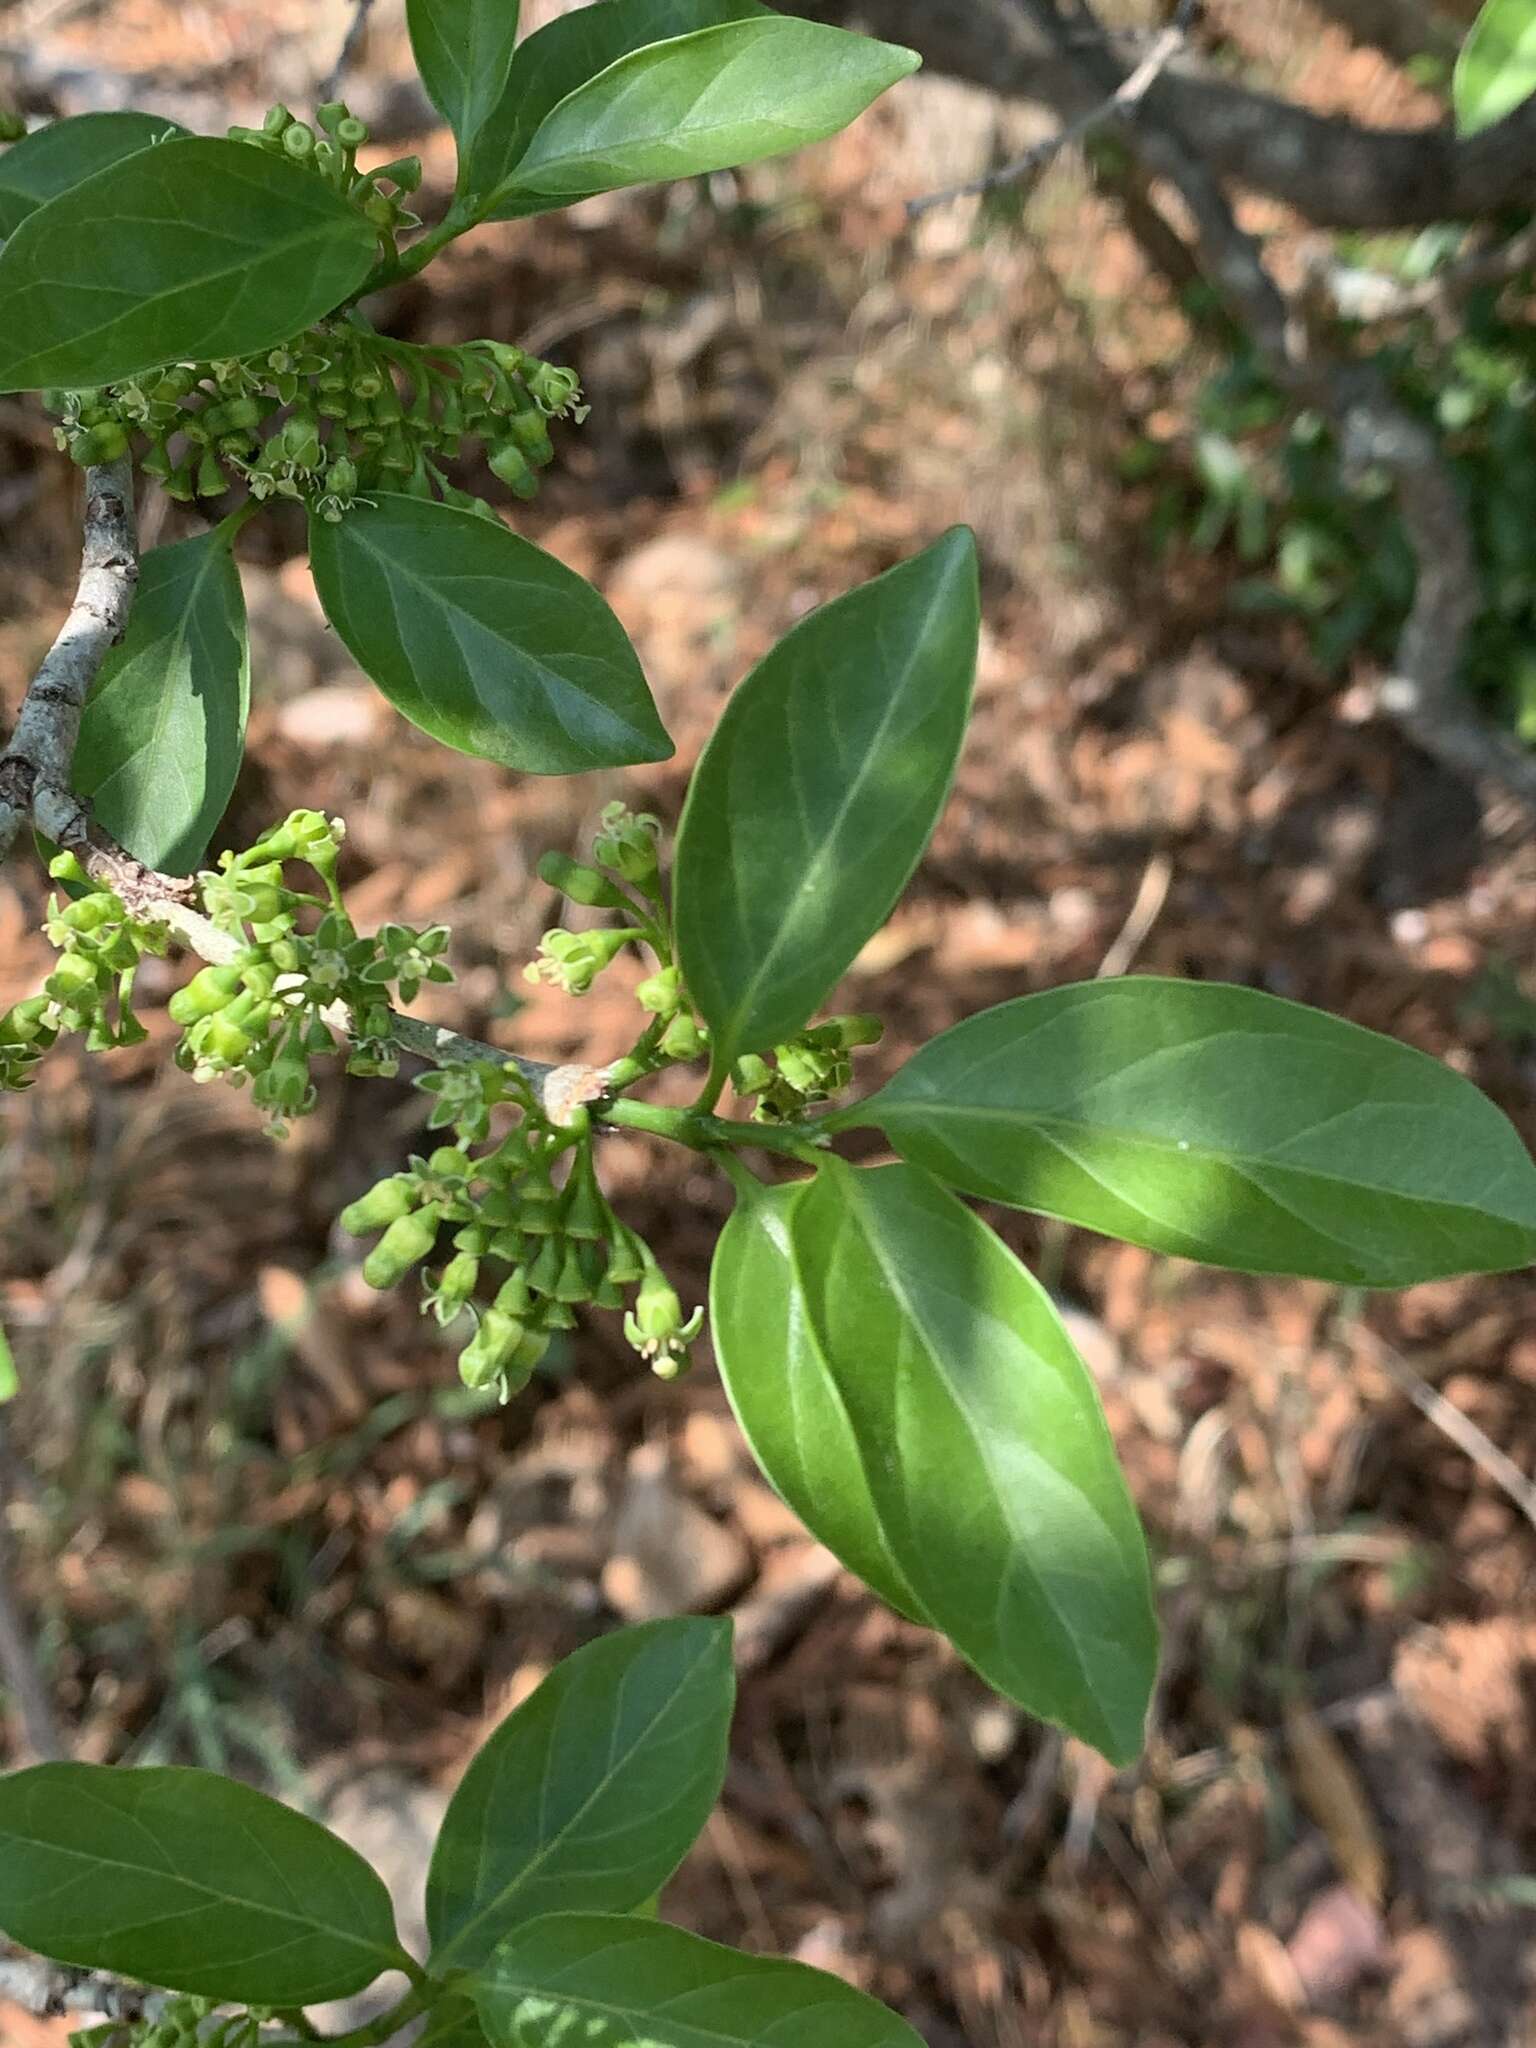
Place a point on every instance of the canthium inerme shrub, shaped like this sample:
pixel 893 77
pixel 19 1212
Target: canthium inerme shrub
pixel 194 306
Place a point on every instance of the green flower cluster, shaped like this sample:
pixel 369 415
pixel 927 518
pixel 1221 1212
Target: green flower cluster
pixel 359 413
pixel 332 155
pixel 91 990
pixel 804 1070
pixel 548 1246
pixel 264 1015
pixel 339 410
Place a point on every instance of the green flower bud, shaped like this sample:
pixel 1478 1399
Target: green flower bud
pixel 510 464
pixel 661 993
pixel 490 1350
pixel 456 1283
pixel 557 1315
pixel 298 141
pixel 682 1039
pixel 544 1273
pixel 210 989
pixel 449 1162
pixel 658 1312
pixel 405 1244
pixel 352 133
pixel 331 115
pixel 73 975
pixel 751 1075
pixel 583 1213
pixel 386 1202
pixel 278 120
pixel 582 884
pixel 515 1297
pixel 571 1283
pixel 628 1261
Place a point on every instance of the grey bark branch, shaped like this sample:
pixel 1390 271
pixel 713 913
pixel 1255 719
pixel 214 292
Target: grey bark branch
pixel 1123 101
pixel 1423 694
pixel 35 767
pixel 1330 169
pixel 52 1990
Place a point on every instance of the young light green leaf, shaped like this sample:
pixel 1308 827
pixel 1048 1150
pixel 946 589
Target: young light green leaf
pixel 706 102
pixel 164 730
pixel 463 50
pixel 483 640
pixel 561 57
pixel 50 160
pixel 10 1384
pixel 190 250
pixel 613 1982
pixel 908 1387
pixel 1496 70
pixel 188 1880
pixel 591 1792
pixel 817 793
pixel 1219 1124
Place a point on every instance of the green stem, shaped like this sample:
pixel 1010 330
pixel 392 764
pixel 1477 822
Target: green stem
pixel 702 1132
pixel 459 218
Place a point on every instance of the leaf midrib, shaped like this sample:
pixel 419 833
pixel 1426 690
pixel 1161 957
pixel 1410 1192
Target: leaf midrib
pixel 1238 1162
pixel 529 1870
pixel 95 1859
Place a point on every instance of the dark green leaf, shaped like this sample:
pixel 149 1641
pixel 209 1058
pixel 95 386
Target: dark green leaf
pixel 483 640
pixel 50 160
pixel 720 97
pixel 188 1880
pixel 463 50
pixel 192 250
pixel 564 55
pixel 624 1983
pixel 815 797
pixel 453 2023
pixel 908 1387
pixel 163 733
pixel 1223 1125
pixel 1496 70
pixel 591 1792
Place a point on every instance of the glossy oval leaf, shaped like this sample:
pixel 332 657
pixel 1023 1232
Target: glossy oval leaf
pixel 1220 1124
pixel 561 57
pixel 786 1398
pixel 483 640
pixel 817 793
pixel 190 1881
pixel 970 1439
pixel 50 160
pixel 463 50
pixel 706 102
pixel 191 250
pixel 591 1792
pixel 622 1983
pixel 1496 69
pixel 164 731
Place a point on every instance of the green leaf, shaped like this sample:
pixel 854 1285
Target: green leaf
pixel 1219 1124
pixel 562 56
pixel 188 1880
pixel 192 250
pixel 50 160
pixel 452 2023
pixel 164 730
pixel 622 1983
pixel 591 1792
pixel 483 640
pixel 1496 70
pixel 907 1386
pixel 817 793
pixel 705 102
pixel 10 1384
pixel 463 50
